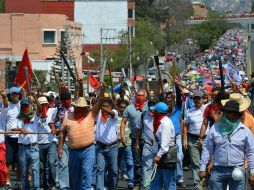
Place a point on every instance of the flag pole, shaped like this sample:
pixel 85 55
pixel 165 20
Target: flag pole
pixel 27 80
pixel 39 84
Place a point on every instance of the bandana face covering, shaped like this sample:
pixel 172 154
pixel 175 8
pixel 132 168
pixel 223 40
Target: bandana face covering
pixel 44 109
pixel 26 113
pixel 140 102
pixel 157 121
pixel 25 108
pixel 227 126
pixel 51 104
pixel 104 117
pixel 66 103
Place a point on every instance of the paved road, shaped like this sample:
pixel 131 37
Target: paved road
pixel 122 185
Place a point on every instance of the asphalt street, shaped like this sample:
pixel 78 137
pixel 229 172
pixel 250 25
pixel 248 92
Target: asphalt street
pixel 188 180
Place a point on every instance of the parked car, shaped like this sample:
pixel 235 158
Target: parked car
pixel 151 75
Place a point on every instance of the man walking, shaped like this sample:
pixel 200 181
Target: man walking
pixel 132 114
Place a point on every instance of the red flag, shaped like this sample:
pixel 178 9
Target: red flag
pixel 20 77
pixel 93 81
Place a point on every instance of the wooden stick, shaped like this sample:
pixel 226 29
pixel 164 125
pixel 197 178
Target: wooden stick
pixel 27 80
pixel 111 82
pixel 156 58
pixel 174 69
pixel 19 132
pixel 39 84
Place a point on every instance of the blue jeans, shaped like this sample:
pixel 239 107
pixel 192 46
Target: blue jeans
pixel 48 158
pixel 222 176
pixel 126 154
pixel 164 178
pixel 81 168
pixel 179 163
pixel 147 161
pixel 106 156
pixel 63 168
pixel 137 159
pixel 29 157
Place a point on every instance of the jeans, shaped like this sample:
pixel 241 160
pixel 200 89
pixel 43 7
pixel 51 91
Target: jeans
pixel 81 164
pixel 29 157
pixel 126 154
pixel 164 178
pixel 106 156
pixel 137 159
pixel 179 163
pixel 195 154
pixel 63 168
pixel 48 158
pixel 222 176
pixel 147 161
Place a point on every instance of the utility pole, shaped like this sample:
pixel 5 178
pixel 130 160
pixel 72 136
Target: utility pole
pixel 107 34
pixel 130 51
pixel 101 63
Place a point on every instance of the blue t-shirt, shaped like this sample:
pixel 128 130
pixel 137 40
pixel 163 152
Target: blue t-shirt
pixel 133 115
pixel 176 117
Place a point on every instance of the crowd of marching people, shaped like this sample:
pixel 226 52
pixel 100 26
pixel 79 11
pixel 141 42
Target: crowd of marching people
pixel 57 141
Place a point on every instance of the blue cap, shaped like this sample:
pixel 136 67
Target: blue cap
pixel 14 89
pixel 25 101
pixel 160 107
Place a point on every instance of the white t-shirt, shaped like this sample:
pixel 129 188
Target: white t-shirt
pixel 194 117
pixel 107 132
pixel 43 127
pixel 165 136
pixel 12 111
pixel 31 127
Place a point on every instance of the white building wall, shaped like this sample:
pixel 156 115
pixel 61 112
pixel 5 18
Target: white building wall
pixel 96 14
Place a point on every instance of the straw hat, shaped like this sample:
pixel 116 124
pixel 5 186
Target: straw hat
pixel 243 91
pixel 42 100
pixel 80 102
pixel 243 102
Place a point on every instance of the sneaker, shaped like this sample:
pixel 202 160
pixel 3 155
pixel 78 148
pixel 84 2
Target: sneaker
pixel 17 186
pixel 125 177
pixel 7 187
pixel 130 186
pixel 136 188
pixel 181 185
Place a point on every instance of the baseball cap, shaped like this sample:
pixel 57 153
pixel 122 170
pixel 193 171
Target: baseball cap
pixel 198 94
pixel 25 101
pixel 160 107
pixel 13 90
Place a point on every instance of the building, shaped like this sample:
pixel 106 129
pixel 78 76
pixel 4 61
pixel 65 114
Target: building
pixel 65 7
pixel 102 21
pixel 200 9
pixel 40 34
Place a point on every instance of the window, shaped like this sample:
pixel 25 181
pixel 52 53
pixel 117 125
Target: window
pixel 130 13
pixel 49 37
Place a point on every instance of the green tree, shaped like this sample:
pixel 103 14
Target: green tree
pixel 252 8
pixel 65 46
pixel 2 6
pixel 46 86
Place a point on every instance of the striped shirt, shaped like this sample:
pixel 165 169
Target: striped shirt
pixel 80 134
